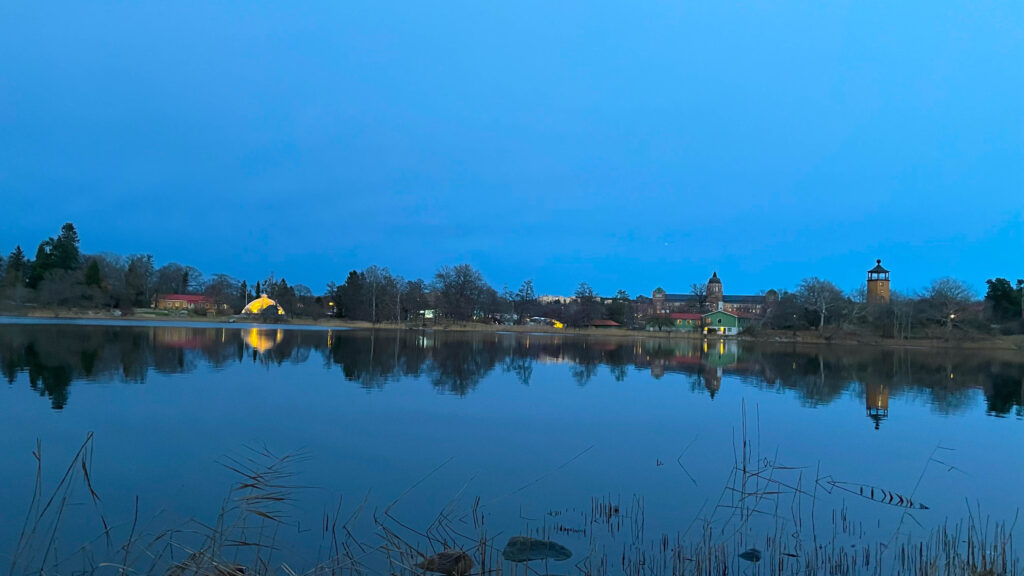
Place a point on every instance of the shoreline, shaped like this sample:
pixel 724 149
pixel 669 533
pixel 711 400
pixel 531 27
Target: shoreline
pixel 811 338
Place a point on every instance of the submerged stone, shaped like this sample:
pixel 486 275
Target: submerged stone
pixel 525 549
pixel 448 562
pixel 751 555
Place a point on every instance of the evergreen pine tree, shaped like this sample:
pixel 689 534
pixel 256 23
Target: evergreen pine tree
pixel 92 274
pixel 42 264
pixel 14 275
pixel 352 304
pixel 66 255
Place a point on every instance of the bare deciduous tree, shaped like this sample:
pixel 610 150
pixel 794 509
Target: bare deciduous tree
pixel 902 315
pixel 819 295
pixel 375 279
pixel 225 290
pixel 524 301
pixel 138 278
pixel 586 306
pixel 700 292
pixel 459 289
pixel 948 298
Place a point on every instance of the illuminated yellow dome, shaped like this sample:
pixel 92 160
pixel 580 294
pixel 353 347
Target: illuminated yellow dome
pixel 259 304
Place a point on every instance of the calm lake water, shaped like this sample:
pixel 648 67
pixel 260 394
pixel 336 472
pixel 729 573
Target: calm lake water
pixel 530 434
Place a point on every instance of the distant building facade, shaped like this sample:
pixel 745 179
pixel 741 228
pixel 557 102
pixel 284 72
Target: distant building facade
pixel 549 299
pixel 193 302
pixel 878 284
pixel 714 298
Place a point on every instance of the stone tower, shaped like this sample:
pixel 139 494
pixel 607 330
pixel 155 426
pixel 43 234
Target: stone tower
pixel 878 284
pixel 714 292
pixel 658 298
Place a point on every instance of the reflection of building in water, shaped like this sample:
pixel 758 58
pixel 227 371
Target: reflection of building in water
pixel 262 340
pixel 707 362
pixel 721 353
pixel 713 380
pixel 183 337
pixel 877 401
pixel 716 359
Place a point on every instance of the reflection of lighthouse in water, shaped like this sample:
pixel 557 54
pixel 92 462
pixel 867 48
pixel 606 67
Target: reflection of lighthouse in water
pixel 876 399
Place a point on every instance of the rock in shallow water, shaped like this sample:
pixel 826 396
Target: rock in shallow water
pixel 751 555
pixel 448 562
pixel 525 549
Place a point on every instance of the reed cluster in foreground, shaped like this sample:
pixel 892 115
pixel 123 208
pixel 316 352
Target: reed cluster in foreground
pixel 763 522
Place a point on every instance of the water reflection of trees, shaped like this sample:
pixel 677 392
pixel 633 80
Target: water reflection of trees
pixel 823 375
pixel 53 357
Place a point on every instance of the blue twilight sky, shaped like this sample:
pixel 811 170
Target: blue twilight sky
pixel 628 144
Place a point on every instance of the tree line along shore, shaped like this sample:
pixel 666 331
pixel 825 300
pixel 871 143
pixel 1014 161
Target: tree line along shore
pixel 62 281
